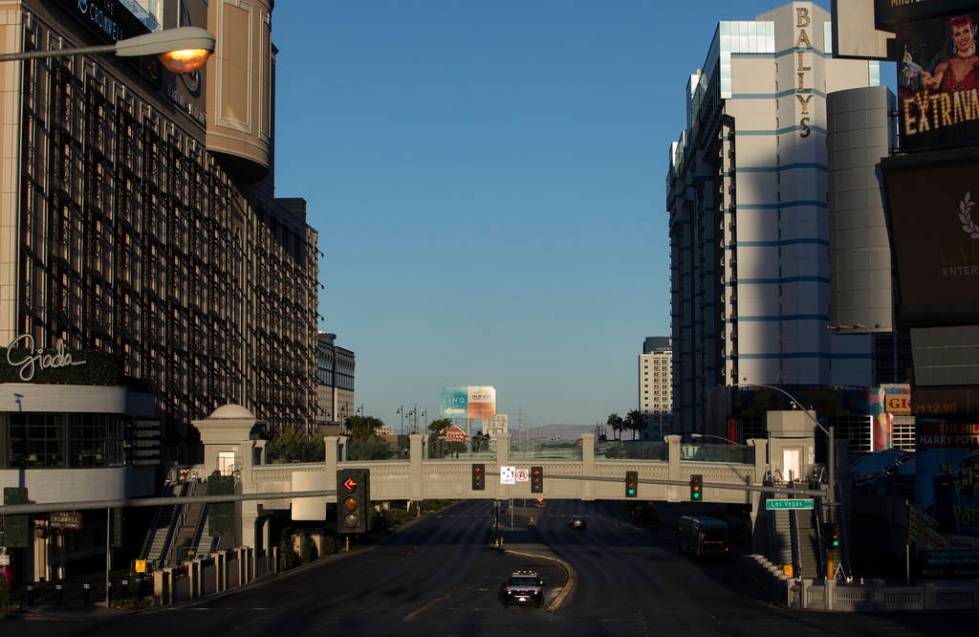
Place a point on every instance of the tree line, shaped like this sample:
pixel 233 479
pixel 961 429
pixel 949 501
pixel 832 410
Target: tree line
pixel 633 422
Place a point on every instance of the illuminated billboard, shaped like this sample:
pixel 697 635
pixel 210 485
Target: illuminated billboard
pixel 938 82
pixel 946 467
pixel 470 401
pixel 934 225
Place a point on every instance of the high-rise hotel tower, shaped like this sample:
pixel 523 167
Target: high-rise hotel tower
pixel 747 200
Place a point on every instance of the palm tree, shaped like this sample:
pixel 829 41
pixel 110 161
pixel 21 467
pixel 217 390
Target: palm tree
pixel 634 421
pixel 616 423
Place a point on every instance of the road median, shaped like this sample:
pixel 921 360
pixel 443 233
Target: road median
pixel 572 577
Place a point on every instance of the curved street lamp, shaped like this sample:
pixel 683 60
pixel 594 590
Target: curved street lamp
pixel 181 50
pixel 829 434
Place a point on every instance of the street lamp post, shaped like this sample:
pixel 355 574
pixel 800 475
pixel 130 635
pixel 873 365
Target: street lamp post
pixel 401 410
pixel 829 435
pixel 181 50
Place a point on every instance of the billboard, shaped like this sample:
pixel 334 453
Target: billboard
pixel 934 226
pixel 890 13
pixel 470 401
pixel 938 82
pixel 947 489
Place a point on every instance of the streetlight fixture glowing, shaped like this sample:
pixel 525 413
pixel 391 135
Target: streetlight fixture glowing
pixel 181 50
pixel 185 60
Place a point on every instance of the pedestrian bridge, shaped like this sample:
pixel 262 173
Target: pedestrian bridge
pixel 586 473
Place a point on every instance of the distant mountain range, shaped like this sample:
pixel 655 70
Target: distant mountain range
pixel 565 432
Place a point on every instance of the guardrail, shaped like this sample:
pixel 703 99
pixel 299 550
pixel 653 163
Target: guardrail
pixel 875 596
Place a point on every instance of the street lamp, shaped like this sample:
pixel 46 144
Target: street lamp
pixel 181 50
pixel 829 435
pixel 696 436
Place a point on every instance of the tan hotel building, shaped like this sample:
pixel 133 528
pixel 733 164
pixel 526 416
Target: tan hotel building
pixel 138 216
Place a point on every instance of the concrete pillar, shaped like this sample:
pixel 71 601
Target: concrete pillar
pixel 416 455
pixel 249 518
pixel 240 561
pixel 169 594
pixel 672 492
pixel 587 465
pixel 160 592
pixel 760 445
pixel 191 580
pixel 343 440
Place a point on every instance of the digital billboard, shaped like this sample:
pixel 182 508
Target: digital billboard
pixel 469 401
pixel 947 490
pixel 934 225
pixel 938 82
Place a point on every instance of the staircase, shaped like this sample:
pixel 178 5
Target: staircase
pixel 207 543
pixel 188 526
pixel 161 531
pixel 781 537
pixel 808 543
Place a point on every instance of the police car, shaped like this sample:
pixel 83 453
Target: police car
pixel 523 588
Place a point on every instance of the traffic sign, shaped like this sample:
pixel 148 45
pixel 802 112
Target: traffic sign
pixel 523 475
pixel 508 475
pixel 349 484
pixel 782 505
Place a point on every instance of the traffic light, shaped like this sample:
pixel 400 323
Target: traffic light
pixel 696 488
pixel 353 501
pixel 478 477
pixel 537 479
pixel 831 533
pixel 631 484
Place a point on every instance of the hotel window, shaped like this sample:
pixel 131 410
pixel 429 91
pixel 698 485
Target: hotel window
pixel 37 440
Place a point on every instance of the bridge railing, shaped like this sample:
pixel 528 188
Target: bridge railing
pixel 632 450
pixel 716 453
pixel 545 450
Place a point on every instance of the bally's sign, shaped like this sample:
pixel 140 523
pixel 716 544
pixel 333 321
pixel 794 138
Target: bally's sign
pixel 803 21
pixel 28 359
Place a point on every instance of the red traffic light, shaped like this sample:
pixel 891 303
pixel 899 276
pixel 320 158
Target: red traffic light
pixel 477 468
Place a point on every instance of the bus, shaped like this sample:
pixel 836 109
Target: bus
pixel 702 536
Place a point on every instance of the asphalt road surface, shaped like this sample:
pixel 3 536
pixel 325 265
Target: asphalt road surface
pixel 439 577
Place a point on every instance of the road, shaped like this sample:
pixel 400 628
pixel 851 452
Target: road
pixel 440 578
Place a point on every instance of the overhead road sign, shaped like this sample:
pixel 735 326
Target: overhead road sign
pixel 508 475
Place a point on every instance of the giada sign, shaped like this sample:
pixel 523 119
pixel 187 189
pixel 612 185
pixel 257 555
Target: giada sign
pixel 35 359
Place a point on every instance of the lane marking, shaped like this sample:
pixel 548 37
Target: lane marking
pixel 418 611
pixel 569 586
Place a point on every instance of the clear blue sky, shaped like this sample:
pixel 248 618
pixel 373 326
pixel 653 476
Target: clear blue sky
pixel 487 179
